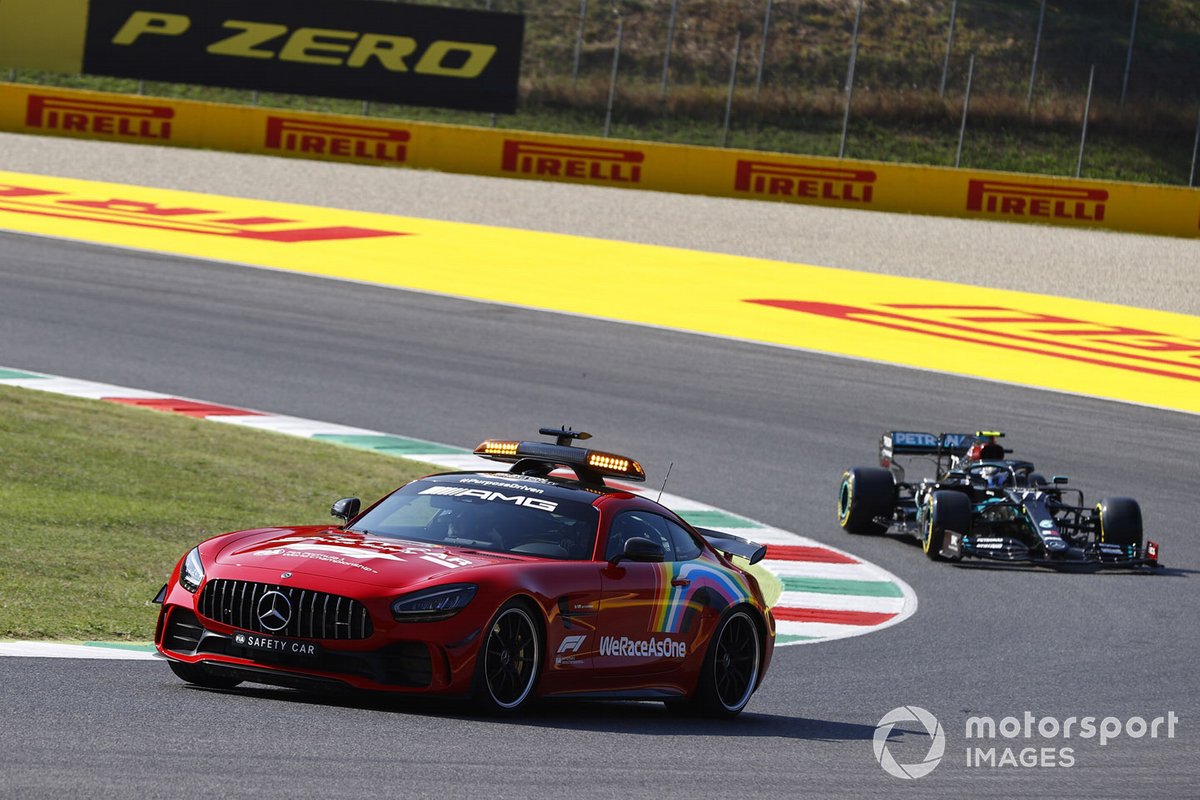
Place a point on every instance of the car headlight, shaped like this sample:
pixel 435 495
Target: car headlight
pixel 192 571
pixel 431 605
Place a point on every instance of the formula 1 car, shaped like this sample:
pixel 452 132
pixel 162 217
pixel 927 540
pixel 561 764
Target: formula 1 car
pixel 542 581
pixel 981 504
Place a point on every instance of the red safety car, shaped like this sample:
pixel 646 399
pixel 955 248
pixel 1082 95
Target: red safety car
pixel 542 581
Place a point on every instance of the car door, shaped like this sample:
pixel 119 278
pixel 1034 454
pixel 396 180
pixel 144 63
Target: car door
pixel 646 626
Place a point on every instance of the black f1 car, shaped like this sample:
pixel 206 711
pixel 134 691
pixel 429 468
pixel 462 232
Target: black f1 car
pixel 982 504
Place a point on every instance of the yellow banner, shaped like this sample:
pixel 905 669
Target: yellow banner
pixel 1134 355
pixel 45 35
pixel 1165 210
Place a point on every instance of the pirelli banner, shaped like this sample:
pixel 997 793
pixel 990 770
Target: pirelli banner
pixel 1166 210
pixel 359 49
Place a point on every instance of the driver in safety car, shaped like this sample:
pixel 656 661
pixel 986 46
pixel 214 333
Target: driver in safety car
pixel 482 523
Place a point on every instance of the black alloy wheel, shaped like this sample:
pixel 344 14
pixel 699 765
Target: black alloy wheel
pixel 731 668
pixel 510 659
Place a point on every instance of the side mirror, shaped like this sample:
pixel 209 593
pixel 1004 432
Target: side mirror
pixel 346 509
pixel 642 550
pixel 1059 479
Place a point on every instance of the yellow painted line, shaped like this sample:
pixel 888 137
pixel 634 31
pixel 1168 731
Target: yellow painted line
pixel 1133 355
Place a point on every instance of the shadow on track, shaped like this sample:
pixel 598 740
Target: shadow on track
pixel 643 718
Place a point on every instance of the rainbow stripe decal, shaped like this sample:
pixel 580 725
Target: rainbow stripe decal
pixel 676 597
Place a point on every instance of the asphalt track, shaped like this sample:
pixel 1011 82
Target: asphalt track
pixel 761 431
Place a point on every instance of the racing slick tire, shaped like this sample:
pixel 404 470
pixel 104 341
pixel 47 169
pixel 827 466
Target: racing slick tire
pixel 510 660
pixel 196 674
pixel 1120 521
pixel 865 493
pixel 731 667
pixel 948 511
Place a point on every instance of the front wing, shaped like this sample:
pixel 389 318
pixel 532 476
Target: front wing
pixel 1007 549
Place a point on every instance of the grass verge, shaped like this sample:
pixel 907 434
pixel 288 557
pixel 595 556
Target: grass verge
pixel 101 500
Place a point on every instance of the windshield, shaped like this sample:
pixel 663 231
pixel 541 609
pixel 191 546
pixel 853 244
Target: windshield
pixel 492 515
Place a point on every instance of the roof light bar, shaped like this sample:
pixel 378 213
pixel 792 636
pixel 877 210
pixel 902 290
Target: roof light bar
pixel 607 461
pixel 495 447
pixel 590 465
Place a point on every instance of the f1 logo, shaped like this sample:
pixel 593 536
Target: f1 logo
pixel 571 644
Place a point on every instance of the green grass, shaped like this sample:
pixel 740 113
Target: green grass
pixel 101 500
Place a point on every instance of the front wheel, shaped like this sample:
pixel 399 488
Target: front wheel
pixel 731 667
pixel 1120 521
pixel 196 674
pixel 509 660
pixel 947 511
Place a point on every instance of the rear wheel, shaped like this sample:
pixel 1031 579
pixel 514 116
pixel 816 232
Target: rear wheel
pixel 731 667
pixel 1120 521
pixel 198 675
pixel 509 660
pixel 948 511
pixel 866 493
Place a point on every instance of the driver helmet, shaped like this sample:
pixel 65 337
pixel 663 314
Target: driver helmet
pixel 994 477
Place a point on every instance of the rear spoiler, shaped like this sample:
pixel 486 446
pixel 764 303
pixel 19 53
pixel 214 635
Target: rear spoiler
pixel 910 443
pixel 732 545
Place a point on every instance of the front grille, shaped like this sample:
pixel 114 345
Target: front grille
pixel 313 615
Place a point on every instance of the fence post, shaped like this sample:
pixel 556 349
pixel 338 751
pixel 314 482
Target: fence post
pixel 762 54
pixel 1037 48
pixel 612 82
pixel 487 7
pixel 850 78
pixel 1087 110
pixel 737 52
pixel 1129 54
pixel 670 41
pixel 578 42
pixel 949 47
pixel 962 131
pixel 1195 149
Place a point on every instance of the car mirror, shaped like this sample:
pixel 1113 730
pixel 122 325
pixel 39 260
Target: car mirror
pixel 346 509
pixel 642 550
pixel 1059 479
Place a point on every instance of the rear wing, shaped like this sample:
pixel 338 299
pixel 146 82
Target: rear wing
pixel 732 545
pixel 908 443
pixel 912 443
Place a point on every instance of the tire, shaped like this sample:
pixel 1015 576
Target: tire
pixel 731 667
pixel 865 493
pixel 948 511
pixel 509 662
pixel 1120 521
pixel 199 676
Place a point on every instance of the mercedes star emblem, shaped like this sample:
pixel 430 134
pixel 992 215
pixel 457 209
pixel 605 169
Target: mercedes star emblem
pixel 274 611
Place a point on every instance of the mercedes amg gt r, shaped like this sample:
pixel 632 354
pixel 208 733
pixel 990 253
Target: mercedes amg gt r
pixel 546 580
pixel 981 504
